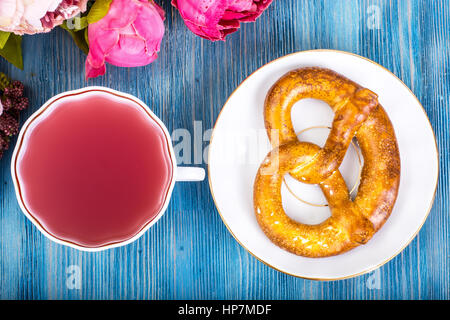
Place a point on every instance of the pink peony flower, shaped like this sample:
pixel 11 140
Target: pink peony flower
pixel 128 36
pixel 215 19
pixel 34 16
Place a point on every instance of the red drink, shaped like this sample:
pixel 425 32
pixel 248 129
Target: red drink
pixel 94 169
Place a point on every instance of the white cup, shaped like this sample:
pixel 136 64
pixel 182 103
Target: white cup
pixel 179 173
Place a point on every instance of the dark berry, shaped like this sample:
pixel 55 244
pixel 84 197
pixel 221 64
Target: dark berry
pixel 3 143
pixel 14 90
pixel 21 103
pixel 17 84
pixel 7 103
pixel 8 125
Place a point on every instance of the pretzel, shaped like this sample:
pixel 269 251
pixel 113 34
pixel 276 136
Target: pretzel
pixel 357 114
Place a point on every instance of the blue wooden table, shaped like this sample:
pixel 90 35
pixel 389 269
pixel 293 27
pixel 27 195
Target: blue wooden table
pixel 189 254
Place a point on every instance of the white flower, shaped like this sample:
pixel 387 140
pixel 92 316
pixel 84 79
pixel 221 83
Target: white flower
pixel 33 16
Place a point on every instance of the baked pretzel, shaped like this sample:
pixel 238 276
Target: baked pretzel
pixel 357 114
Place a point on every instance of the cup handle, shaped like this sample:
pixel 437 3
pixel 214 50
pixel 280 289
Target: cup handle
pixel 190 174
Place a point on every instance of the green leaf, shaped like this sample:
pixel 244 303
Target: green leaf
pixel 4 36
pixel 78 37
pixel 12 50
pixel 98 10
pixel 86 35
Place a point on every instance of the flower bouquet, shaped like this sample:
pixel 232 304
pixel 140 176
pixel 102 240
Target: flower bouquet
pixel 125 33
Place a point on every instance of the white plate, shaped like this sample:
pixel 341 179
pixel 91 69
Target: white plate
pixel 240 143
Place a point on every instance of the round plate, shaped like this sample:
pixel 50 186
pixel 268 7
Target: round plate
pixel 239 144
